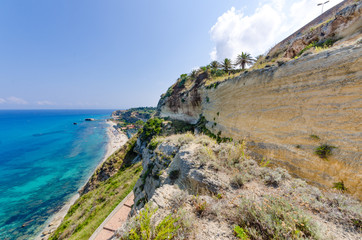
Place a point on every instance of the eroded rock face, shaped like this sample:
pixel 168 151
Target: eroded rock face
pixel 346 22
pixel 172 164
pixel 278 108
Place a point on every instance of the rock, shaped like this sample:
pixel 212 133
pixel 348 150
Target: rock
pixel 345 22
pixel 282 106
pixel 45 233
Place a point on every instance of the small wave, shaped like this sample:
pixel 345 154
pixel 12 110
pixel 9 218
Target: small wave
pixel 48 133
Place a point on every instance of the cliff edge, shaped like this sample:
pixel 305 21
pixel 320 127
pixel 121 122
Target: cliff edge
pixel 303 114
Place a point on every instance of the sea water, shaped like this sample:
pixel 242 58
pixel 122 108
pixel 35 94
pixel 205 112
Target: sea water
pixel 44 159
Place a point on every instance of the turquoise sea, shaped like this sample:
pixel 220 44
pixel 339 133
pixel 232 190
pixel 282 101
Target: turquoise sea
pixel 44 159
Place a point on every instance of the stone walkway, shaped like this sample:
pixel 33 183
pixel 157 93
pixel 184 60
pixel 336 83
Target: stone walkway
pixel 114 220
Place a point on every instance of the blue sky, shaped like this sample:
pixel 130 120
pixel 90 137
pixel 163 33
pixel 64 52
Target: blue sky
pixel 117 54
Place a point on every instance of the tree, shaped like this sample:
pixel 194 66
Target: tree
pixel 214 65
pixel 244 59
pixel 226 65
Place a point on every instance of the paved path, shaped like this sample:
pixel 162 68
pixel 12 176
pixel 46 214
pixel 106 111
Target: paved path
pixel 114 220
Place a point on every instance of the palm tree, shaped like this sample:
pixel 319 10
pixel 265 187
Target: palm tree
pixel 214 65
pixel 226 65
pixel 244 59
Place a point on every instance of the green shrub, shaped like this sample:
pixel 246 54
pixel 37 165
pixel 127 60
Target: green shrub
pixel 204 69
pixel 168 92
pixel 143 228
pixel 319 45
pixel 200 206
pixel 213 85
pixel 153 144
pixel 167 228
pixel 237 181
pixel 329 42
pixel 181 83
pixel 174 175
pixel 340 186
pixel 219 196
pixel 181 126
pixel 182 80
pixel 182 76
pixel 151 128
pixel 324 150
pixel 315 137
pixel 313 44
pixel 217 72
pixel 275 218
pixel 241 233
pixel 264 162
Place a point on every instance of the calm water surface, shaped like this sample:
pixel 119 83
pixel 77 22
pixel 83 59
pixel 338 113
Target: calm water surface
pixel 44 159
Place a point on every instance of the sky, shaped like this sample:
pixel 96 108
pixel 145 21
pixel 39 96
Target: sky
pixel 116 54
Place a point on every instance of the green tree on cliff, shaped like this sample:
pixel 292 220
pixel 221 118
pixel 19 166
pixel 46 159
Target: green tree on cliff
pixel 214 65
pixel 226 65
pixel 244 59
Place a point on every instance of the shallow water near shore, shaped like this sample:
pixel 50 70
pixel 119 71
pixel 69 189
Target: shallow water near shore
pixel 44 159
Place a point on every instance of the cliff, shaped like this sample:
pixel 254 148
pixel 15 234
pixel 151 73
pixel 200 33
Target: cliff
pixel 287 113
pixel 268 130
pixel 191 187
pixel 322 26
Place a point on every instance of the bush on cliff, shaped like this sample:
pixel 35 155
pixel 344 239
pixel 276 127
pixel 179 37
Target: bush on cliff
pixel 151 128
pixel 142 227
pixel 275 218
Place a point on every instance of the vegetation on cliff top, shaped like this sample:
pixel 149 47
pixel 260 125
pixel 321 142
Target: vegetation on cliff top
pixel 211 73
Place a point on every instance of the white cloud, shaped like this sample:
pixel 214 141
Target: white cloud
pixel 271 22
pixel 16 100
pixel 2 100
pixel 45 102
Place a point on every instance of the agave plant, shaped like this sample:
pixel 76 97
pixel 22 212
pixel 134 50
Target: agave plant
pixel 244 59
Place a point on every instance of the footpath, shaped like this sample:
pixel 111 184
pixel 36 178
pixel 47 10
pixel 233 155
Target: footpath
pixel 114 220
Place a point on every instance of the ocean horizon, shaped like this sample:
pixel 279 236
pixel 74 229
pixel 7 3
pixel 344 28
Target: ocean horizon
pixel 44 159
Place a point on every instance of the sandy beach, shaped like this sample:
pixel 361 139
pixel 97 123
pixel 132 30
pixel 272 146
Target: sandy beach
pixel 116 140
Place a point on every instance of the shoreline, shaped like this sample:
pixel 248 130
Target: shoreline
pixel 116 140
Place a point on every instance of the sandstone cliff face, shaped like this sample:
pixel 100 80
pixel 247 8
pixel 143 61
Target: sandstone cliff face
pixel 277 109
